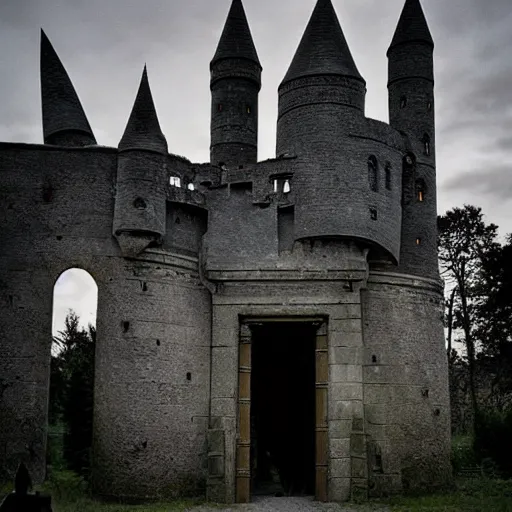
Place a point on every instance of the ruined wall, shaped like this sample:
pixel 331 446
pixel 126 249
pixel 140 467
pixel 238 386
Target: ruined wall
pixel 56 213
pixel 406 400
pixel 151 378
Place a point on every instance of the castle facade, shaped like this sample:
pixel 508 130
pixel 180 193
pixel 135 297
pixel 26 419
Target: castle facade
pixel 254 318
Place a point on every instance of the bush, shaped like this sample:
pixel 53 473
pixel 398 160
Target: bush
pixel 492 443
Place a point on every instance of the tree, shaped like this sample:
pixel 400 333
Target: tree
pixel 494 320
pixel 72 389
pixel 465 242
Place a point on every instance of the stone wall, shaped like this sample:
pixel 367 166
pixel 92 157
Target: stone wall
pixel 407 409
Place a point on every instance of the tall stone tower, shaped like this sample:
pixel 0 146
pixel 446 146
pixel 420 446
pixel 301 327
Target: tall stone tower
pixel 254 318
pixel 235 84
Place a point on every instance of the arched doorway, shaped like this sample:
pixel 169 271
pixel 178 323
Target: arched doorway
pixel 75 296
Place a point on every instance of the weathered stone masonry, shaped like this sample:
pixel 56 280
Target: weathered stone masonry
pixel 339 228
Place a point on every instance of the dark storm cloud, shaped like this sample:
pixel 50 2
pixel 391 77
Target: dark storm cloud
pixel 495 182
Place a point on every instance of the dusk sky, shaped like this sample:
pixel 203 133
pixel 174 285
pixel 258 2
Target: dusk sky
pixel 104 45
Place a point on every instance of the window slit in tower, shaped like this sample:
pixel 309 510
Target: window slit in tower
pixel 373 174
pixel 426 144
pixel 388 176
pixel 403 101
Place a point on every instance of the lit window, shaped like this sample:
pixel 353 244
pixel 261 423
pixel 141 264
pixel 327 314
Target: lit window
pixel 276 186
pixel 248 108
pixel 418 241
pixel 373 177
pixel 175 181
pixel 388 176
pixel 420 190
pixel 286 187
pixel 191 186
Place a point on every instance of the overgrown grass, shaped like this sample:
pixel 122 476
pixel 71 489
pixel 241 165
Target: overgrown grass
pixel 69 493
pixel 471 495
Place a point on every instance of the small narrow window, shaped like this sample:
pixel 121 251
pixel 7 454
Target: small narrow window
pixel 248 109
pixel 418 241
pixel 373 213
pixel 286 187
pixel 175 181
pixel 219 107
pixel 429 105
pixel 139 204
pixel 403 102
pixel 191 186
pixel 276 186
pixel 388 176
pixel 373 177
pixel 426 145
pixel 420 190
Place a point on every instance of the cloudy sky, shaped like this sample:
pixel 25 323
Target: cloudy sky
pixel 105 43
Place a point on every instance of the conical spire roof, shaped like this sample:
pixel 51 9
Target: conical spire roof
pixel 62 110
pixel 143 129
pixel 412 25
pixel 236 39
pixel 323 49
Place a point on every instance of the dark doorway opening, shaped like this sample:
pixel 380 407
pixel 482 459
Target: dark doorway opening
pixel 283 409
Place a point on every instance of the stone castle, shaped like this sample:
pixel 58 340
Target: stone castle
pixel 254 318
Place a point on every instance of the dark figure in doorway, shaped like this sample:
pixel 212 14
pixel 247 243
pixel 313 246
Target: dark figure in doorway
pixel 21 500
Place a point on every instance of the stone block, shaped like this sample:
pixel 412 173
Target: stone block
pixel 345 391
pixel 224 372
pixel 345 373
pixel 340 429
pixel 346 355
pixel 359 468
pixel 346 409
pixel 358 444
pixel 339 489
pixel 345 339
pixel 339 448
pixel 340 468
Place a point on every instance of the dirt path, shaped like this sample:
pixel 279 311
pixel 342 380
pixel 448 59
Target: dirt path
pixel 270 504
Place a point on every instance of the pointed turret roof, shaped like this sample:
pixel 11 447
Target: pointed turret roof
pixel 236 39
pixel 143 129
pixel 62 110
pixel 323 49
pixel 412 25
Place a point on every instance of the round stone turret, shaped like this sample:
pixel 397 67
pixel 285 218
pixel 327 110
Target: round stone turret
pixel 235 85
pixel 322 88
pixel 140 208
pixel 411 111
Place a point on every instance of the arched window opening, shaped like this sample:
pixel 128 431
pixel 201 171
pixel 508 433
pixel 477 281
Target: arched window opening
pixel 175 181
pixel 426 145
pixel 75 297
pixel 388 176
pixel 420 190
pixel 403 101
pixel 373 177
pixel 191 186
pixel 281 185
